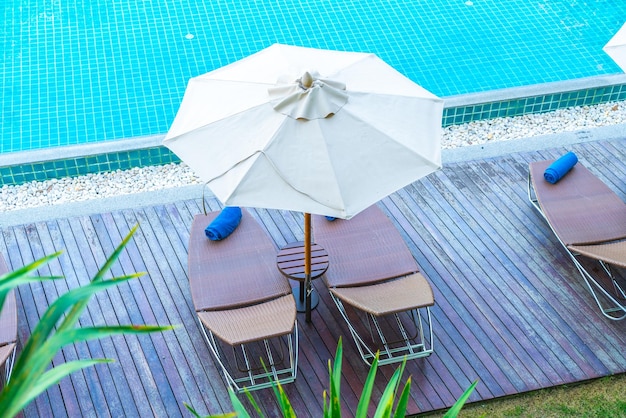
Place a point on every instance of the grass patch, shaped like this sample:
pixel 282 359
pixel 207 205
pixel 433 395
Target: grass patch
pixel 601 398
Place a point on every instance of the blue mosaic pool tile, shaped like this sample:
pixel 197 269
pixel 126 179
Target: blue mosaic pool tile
pixel 22 173
pixel 536 104
pixel 122 71
pixel 81 72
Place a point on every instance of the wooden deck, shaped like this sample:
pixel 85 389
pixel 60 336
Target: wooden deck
pixel 510 308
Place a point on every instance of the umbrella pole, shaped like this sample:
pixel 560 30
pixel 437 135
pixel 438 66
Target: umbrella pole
pixel 307 265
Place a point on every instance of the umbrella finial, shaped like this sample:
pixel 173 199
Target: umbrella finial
pixel 306 81
pixel 308 97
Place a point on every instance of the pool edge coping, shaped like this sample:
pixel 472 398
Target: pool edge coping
pixel 175 194
pixel 534 90
pixel 112 149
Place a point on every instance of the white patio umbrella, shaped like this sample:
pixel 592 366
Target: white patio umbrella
pixel 616 48
pixel 309 130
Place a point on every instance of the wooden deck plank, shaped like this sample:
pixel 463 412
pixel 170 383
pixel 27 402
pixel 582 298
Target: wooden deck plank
pixel 99 313
pixel 177 229
pixel 511 255
pixel 115 311
pixel 145 348
pixel 455 348
pixel 90 396
pixel 491 242
pixel 506 248
pixel 532 264
pixel 74 389
pixel 17 256
pixel 545 285
pixel 510 307
pixel 465 345
pixel 173 300
pixel 172 257
pixel 125 306
pixel 169 383
pixel 479 292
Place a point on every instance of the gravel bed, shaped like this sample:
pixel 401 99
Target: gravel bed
pixel 137 180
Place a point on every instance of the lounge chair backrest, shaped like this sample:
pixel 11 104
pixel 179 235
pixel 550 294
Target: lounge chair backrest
pixel 580 207
pixel 363 250
pixel 8 316
pixel 237 271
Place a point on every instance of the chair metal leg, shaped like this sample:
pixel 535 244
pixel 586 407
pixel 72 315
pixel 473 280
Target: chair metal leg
pixel 409 347
pixel 272 373
pixel 8 366
pixel 612 308
pixel 615 310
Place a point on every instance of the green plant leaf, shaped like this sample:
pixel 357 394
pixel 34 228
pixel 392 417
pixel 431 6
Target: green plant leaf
pixel 46 324
pixel 240 410
pixel 366 394
pixel 325 403
pixel 14 405
pixel 41 347
pixel 250 399
pixel 197 415
pixel 29 377
pixel 334 399
pixel 116 254
pixel 385 406
pixel 48 350
pixel 61 339
pixel 404 400
pixel 54 375
pixel 456 408
pixel 22 275
pixel 27 269
pixel 285 405
pixel 192 410
pixel 72 316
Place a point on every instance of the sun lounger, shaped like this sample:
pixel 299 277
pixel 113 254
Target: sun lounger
pixel 589 220
pixel 372 270
pixel 8 328
pixel 242 299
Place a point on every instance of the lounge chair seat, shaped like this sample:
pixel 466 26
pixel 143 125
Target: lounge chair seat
pixel 372 270
pixel 241 298
pixel 8 328
pixel 388 297
pixel 589 220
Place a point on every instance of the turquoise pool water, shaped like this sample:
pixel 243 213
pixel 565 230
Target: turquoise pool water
pixel 83 71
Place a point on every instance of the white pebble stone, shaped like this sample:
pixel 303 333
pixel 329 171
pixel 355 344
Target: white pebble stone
pixel 136 180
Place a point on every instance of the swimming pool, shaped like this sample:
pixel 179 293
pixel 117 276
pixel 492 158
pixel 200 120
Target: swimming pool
pixel 85 71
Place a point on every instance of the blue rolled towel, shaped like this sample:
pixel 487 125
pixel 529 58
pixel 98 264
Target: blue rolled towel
pixel 560 167
pixel 330 218
pixel 224 224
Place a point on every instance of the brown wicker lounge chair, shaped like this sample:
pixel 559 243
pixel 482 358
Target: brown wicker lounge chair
pixel 589 220
pixel 242 299
pixel 8 328
pixel 372 270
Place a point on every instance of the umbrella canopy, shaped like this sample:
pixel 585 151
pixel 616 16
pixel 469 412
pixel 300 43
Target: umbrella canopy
pixel 616 48
pixel 309 130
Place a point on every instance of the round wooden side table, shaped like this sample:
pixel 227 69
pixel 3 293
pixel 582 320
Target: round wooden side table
pixel 290 262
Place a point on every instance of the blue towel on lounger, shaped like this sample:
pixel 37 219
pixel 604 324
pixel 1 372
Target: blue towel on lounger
pixel 224 224
pixel 560 167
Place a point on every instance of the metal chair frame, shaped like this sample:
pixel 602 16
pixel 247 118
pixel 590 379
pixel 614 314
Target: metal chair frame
pixel 255 381
pixel 8 365
pixel 415 346
pixel 611 308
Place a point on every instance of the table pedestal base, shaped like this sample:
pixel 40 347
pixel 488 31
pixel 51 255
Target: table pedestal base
pixel 291 263
pixel 301 302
